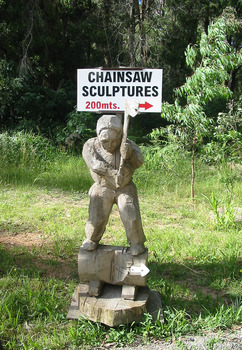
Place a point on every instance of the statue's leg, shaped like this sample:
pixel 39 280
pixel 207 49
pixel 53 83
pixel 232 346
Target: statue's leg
pixel 100 206
pixel 127 201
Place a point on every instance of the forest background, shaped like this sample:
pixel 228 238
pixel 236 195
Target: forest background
pixel 43 43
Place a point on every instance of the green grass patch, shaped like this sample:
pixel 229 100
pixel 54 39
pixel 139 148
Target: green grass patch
pixel 194 256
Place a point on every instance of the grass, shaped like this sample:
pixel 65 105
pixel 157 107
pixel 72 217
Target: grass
pixel 195 260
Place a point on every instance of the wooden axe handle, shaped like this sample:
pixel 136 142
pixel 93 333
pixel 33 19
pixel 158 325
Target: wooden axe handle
pixel 124 138
pixel 133 111
pixel 125 127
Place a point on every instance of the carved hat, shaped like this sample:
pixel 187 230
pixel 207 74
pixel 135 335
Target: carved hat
pixel 109 122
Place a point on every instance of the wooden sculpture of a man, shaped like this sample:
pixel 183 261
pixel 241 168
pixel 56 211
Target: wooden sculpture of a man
pixel 113 183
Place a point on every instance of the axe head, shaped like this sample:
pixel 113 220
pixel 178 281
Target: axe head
pixel 131 107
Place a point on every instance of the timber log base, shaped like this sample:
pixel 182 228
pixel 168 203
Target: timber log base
pixel 111 309
pixel 112 288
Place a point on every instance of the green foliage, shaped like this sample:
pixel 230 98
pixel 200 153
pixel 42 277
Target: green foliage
pixel 212 62
pixel 170 159
pixel 8 87
pixel 86 332
pixel 224 215
pixel 25 105
pixel 48 107
pixel 28 158
pixel 227 136
pixel 217 58
pixel 170 164
pixel 178 322
pixel 79 128
pixel 122 335
pixel 224 209
pixel 44 43
pixel 25 150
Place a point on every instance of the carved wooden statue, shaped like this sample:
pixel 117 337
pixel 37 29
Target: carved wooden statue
pixel 112 160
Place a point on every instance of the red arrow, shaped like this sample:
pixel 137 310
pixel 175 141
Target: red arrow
pixel 145 105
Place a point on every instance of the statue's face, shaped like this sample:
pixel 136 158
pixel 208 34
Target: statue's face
pixel 110 140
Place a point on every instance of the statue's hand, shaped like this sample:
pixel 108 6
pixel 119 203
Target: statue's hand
pixel 125 150
pixel 119 179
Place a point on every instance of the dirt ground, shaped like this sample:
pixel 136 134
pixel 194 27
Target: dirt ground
pixel 31 241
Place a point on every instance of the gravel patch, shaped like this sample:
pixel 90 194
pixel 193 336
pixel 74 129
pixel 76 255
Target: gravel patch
pixel 229 340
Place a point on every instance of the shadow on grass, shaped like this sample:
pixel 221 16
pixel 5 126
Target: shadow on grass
pixel 34 290
pixel 196 287
pixel 22 261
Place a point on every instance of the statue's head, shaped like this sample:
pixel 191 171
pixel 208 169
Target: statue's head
pixel 109 132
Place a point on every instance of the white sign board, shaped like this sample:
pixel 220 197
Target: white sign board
pixel 100 90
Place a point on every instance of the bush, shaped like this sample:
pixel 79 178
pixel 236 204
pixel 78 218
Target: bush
pixel 79 128
pixel 227 137
pixel 24 104
pixel 25 150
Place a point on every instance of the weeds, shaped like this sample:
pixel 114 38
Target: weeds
pixel 86 332
pixel 121 335
pixel 30 159
pixel 224 216
pixel 224 209
pixel 25 150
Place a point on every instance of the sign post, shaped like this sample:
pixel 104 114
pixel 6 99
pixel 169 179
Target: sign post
pixel 105 90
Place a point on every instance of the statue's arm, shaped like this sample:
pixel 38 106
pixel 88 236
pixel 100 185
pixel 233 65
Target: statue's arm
pixel 134 158
pixel 96 164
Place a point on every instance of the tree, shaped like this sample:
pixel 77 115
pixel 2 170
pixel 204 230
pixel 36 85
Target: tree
pixel 128 26
pixel 212 62
pixel 42 43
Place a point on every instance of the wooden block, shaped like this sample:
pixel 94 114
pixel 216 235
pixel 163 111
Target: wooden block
pixel 128 292
pixel 119 311
pixel 111 264
pixel 82 289
pixel 95 288
pixel 111 309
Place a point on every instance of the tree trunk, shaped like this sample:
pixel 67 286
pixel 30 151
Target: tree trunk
pixel 193 166
pixel 132 35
